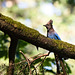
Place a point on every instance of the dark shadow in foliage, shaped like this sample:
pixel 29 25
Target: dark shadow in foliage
pixel 68 70
pixel 21 46
pixel 49 62
pixel 3 45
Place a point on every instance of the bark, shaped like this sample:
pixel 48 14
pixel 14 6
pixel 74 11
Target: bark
pixel 20 31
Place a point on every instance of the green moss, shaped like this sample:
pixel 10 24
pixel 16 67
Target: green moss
pixel 64 45
pixel 18 25
pixel 11 21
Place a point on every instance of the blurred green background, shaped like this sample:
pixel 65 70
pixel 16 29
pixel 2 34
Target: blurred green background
pixel 34 14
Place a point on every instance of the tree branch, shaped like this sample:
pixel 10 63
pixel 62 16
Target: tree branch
pixel 14 28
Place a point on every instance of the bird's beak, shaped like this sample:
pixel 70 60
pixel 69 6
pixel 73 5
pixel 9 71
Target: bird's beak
pixel 44 25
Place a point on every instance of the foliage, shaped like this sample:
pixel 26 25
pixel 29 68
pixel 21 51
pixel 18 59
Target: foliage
pixel 3 45
pixel 71 2
pixel 39 66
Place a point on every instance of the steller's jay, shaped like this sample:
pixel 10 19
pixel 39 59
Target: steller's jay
pixel 51 32
pixel 53 35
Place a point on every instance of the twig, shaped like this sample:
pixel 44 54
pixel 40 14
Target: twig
pixel 36 55
pixel 34 69
pixel 57 63
pixel 15 64
pixel 27 61
pixel 31 61
pixel 22 69
pixel 43 59
pixel 41 56
pixel 63 67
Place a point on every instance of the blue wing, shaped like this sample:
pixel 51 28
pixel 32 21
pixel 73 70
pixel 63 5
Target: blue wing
pixel 56 36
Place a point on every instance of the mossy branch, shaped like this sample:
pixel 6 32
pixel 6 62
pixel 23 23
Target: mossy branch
pixel 20 31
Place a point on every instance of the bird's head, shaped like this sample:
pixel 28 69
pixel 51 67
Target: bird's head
pixel 49 25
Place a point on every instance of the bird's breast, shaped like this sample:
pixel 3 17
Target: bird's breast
pixel 51 36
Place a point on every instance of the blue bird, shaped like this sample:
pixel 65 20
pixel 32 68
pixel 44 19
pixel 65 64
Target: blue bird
pixel 53 35
pixel 51 32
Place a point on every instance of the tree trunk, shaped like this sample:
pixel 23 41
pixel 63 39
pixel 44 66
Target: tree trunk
pixel 12 50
